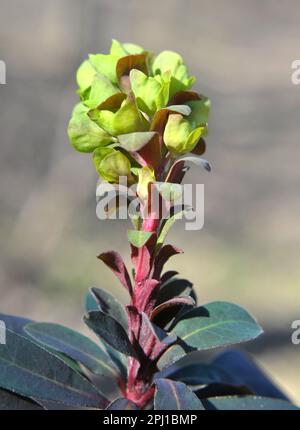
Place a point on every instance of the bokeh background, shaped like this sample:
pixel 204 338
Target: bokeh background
pixel 248 252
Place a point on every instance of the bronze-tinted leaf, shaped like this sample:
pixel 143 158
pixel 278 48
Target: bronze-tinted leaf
pixel 126 64
pixel 114 261
pixel 184 96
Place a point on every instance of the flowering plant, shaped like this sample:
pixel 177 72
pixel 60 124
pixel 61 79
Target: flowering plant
pixel 140 119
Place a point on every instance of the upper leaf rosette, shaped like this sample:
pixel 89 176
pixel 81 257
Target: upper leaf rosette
pixel 137 111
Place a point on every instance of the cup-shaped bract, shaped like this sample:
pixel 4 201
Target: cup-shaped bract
pixel 132 91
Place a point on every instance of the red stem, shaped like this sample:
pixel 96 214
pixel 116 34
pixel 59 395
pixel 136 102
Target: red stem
pixel 139 384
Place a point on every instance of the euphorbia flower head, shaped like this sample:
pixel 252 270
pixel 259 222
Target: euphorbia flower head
pixel 137 112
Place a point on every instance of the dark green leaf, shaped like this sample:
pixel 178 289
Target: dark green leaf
pixel 117 357
pixel 171 395
pixel 108 385
pixel 194 373
pixel 73 344
pixel 15 324
pixel 246 403
pixel 12 402
pixel 109 305
pixel 173 354
pixel 29 370
pixel 165 314
pixel 216 324
pixel 244 371
pixel 174 288
pixel 90 303
pixel 110 330
pixel 18 324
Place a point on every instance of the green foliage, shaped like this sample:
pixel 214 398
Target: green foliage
pixel 32 371
pixel 74 345
pixel 171 395
pixel 216 324
pixel 139 119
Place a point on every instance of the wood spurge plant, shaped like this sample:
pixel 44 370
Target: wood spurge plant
pixel 141 120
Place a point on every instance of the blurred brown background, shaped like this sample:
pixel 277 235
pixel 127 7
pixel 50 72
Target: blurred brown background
pixel 241 51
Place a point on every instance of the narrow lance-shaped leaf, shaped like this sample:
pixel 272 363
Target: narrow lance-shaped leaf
pixel 110 305
pixel 110 330
pixel 174 287
pixel 172 355
pixel 90 303
pixel 115 262
pixel 12 402
pixel 145 295
pixel 171 395
pixel 244 371
pixel 119 359
pixel 171 304
pixel 46 376
pixel 14 323
pixel 74 345
pixel 167 276
pixel 191 371
pixel 166 252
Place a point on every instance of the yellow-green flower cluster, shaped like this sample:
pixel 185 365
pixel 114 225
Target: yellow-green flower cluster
pixel 136 109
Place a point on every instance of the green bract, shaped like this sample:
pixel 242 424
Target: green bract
pixel 84 133
pixel 130 91
pixel 111 164
pixel 179 135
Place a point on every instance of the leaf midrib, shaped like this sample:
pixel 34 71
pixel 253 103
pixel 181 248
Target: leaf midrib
pixel 173 389
pixel 53 381
pixel 112 370
pixel 198 330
